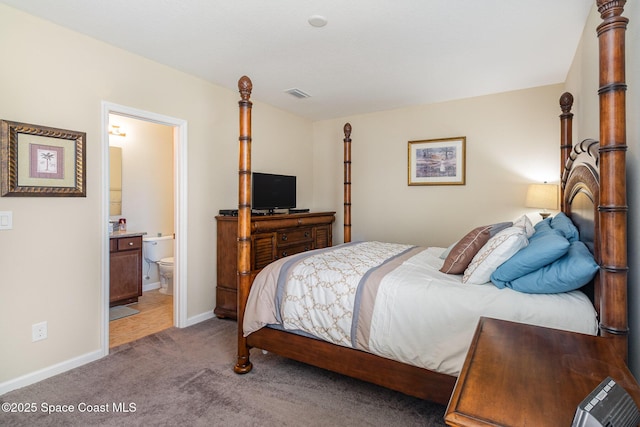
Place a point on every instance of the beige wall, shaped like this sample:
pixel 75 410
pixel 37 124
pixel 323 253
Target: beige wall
pixel 582 82
pixel 51 260
pixel 512 140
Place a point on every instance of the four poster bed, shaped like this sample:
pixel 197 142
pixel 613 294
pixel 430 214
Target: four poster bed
pixel 593 215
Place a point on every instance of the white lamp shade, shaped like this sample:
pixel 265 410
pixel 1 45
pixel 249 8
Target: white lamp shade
pixel 542 196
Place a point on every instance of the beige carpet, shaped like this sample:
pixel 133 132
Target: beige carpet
pixel 184 377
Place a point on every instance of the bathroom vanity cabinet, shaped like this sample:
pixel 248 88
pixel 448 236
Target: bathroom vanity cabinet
pixel 125 269
pixel 272 237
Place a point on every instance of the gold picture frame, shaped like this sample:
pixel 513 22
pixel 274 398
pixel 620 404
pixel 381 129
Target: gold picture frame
pixel 41 161
pixel 437 161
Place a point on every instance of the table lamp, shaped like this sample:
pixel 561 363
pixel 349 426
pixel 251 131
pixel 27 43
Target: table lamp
pixel 542 196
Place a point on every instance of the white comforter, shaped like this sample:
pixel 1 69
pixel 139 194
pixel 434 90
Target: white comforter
pixel 420 316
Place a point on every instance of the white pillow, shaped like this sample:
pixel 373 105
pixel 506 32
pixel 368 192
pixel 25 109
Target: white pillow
pixel 525 223
pixel 497 250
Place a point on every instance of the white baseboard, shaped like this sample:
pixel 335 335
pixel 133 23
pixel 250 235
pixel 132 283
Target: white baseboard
pixel 76 362
pixel 151 286
pixel 200 318
pixel 48 372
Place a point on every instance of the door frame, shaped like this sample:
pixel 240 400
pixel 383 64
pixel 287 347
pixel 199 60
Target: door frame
pixel 180 210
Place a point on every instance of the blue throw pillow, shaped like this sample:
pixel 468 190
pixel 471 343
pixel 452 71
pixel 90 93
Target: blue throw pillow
pixel 572 271
pixel 563 223
pixel 544 225
pixel 544 248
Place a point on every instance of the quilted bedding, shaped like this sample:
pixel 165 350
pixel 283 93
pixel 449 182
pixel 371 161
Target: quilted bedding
pixel 390 299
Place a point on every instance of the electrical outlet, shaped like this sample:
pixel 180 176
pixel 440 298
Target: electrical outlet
pixel 38 331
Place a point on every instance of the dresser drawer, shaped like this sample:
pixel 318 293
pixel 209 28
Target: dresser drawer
pixel 294 236
pixel 127 243
pixel 294 249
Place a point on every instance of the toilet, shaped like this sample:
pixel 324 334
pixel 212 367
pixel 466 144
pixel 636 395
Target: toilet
pixel 159 251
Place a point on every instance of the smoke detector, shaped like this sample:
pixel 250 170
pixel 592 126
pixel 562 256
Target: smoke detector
pixel 317 21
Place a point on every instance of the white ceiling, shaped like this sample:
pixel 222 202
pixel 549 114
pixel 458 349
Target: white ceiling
pixel 373 55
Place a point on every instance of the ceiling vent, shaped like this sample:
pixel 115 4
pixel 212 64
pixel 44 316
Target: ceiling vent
pixel 297 93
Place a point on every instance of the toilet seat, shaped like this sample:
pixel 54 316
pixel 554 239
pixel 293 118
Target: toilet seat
pixel 168 261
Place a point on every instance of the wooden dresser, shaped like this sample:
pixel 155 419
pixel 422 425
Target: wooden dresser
pixel 125 268
pixel 272 237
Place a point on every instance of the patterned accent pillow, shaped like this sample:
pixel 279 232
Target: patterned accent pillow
pixel 463 252
pixel 497 250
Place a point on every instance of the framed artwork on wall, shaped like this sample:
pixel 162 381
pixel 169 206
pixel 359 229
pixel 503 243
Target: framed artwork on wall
pixel 40 161
pixel 437 161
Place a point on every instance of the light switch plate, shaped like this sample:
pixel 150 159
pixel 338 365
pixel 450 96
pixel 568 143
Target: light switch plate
pixel 6 220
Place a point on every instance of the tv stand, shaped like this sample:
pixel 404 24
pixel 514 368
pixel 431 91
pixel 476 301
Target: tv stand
pixel 272 237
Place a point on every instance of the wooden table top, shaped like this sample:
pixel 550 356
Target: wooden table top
pixel 522 375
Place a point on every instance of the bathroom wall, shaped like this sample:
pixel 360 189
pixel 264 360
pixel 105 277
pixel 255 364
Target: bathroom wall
pixel 147 181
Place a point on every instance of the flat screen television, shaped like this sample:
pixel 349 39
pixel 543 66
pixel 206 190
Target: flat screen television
pixel 272 191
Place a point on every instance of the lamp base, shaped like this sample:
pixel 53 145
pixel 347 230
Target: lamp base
pixel 544 215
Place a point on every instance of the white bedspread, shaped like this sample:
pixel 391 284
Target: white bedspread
pixel 421 316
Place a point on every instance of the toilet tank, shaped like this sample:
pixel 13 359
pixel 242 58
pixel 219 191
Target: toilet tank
pixel 156 248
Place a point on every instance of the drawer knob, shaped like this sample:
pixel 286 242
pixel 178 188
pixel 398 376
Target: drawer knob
pixel 285 253
pixel 306 234
pixel 130 243
pixel 284 237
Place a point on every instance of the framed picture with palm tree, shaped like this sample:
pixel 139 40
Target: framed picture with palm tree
pixel 41 161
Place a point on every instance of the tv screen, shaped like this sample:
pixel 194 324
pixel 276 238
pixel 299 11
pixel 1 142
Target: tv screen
pixel 271 191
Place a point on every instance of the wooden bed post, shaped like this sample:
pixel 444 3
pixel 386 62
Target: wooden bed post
pixel 566 138
pixel 243 365
pixel 347 182
pixel 613 202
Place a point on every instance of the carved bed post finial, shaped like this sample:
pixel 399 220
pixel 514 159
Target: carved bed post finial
pixel 347 182
pixel 610 8
pixel 566 141
pixel 566 102
pixel 245 86
pixel 243 364
pixel 347 130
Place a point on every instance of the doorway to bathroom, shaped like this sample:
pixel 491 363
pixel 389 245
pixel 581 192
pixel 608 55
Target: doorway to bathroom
pixel 148 152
